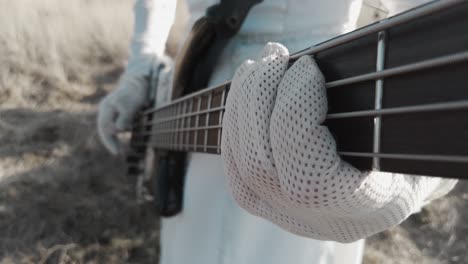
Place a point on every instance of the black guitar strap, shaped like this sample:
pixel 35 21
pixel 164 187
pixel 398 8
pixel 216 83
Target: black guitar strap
pixel 203 46
pixel 194 66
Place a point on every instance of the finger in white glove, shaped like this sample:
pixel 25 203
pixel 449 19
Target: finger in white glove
pixel 282 164
pixel 240 140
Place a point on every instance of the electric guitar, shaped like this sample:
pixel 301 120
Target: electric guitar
pixel 397 93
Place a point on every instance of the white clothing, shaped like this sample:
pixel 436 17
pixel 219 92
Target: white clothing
pixel 212 228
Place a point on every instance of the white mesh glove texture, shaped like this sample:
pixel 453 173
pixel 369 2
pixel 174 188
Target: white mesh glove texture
pixel 282 164
pixel 117 109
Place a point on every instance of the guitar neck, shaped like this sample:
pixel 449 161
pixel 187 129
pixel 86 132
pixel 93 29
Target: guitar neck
pixel 397 97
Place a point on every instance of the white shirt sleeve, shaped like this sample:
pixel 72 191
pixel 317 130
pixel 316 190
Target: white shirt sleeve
pixel 152 23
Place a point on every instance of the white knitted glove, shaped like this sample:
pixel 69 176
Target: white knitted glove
pixel 152 23
pixel 282 164
pixel 117 109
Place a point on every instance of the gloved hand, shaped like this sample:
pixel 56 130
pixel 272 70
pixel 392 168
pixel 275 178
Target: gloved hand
pixel 152 23
pixel 117 109
pixel 282 164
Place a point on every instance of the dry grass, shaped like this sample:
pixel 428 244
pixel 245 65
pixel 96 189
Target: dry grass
pixel 63 199
pixel 49 46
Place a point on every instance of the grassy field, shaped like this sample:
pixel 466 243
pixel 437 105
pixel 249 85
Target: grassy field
pixel 63 199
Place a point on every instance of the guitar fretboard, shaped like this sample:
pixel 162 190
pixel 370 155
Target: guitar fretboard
pixel 397 92
pixel 192 123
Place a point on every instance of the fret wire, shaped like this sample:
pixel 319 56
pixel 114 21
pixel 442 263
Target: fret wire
pixel 184 122
pixel 178 112
pixel 207 122
pixel 421 157
pixel 447 106
pixel 163 126
pixel 189 121
pixel 171 124
pixel 174 136
pixel 168 124
pixel 197 120
pixel 181 135
pixel 158 126
pixel 408 68
pixel 380 63
pixel 218 142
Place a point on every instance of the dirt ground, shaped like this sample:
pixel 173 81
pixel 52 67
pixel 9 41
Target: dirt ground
pixel 64 199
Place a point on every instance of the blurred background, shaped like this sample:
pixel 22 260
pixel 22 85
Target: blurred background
pixel 64 199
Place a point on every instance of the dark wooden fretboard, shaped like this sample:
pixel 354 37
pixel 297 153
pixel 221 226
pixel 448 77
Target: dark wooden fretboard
pixel 397 89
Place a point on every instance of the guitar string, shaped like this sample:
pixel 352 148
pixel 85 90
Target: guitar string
pixel 405 69
pixel 400 156
pixel 435 107
pixel 450 106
